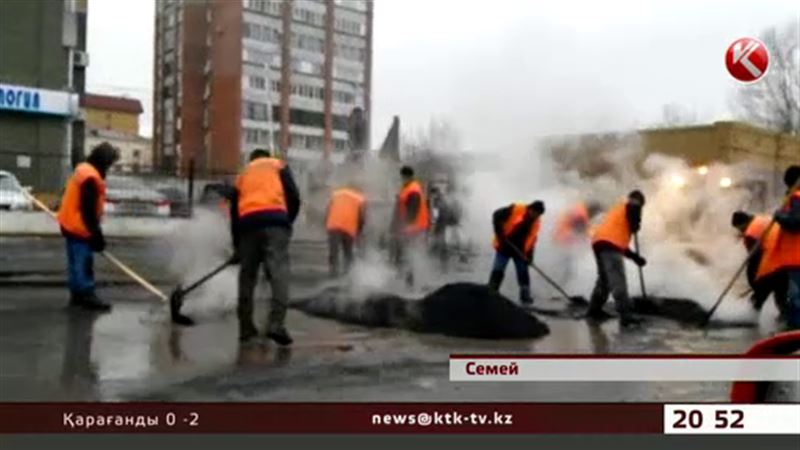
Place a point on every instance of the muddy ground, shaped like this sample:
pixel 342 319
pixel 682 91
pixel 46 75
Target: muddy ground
pixel 50 353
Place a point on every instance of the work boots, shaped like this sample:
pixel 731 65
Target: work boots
pixel 495 280
pixel 280 336
pixel 525 295
pixel 630 320
pixel 89 302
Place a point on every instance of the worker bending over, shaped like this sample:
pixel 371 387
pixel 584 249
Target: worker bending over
pixel 344 221
pixel 573 223
pixel 516 228
pixel 752 228
pixel 264 206
pixel 782 246
pixel 610 243
pixel 79 216
pixel 410 222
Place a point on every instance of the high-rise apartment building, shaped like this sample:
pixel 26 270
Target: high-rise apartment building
pixel 234 75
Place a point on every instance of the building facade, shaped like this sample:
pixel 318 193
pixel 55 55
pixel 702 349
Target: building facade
pixel 116 120
pixel 43 64
pixel 764 153
pixel 227 81
pixel 106 112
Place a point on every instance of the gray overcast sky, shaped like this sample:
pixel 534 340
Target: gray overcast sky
pixel 503 71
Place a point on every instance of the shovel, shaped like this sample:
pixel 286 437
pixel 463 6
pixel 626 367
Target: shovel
pixel 641 271
pixel 743 266
pixel 531 264
pixel 176 298
pixel 175 314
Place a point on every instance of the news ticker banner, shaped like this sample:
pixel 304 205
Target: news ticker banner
pixel 377 418
pixel 622 368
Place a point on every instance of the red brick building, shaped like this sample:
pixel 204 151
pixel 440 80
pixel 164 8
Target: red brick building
pixel 222 89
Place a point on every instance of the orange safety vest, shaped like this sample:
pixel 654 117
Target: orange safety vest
pixel 756 227
pixel 781 248
pixel 615 228
pixel 516 217
pixel 69 214
pixel 344 211
pixel 565 232
pixel 422 221
pixel 260 188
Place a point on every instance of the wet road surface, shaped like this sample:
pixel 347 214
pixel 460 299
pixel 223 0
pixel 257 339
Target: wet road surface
pixel 52 353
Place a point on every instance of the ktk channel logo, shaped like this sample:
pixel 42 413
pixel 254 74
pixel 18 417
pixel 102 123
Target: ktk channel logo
pixel 747 60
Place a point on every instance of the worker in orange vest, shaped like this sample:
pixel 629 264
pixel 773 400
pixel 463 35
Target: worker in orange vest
pixel 410 222
pixel 79 217
pixel 610 243
pixel 516 229
pixel 344 221
pixel 782 246
pixel 573 223
pixel 264 207
pixel 751 228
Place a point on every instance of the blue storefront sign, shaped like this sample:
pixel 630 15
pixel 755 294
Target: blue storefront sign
pixel 37 101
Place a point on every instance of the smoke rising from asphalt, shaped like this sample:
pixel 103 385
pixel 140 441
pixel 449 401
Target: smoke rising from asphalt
pixel 686 236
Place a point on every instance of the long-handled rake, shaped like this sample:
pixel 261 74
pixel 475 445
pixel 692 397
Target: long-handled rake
pixel 175 314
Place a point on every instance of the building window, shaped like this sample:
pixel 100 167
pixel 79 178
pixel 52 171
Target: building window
pixel 260 32
pixel 256 82
pixel 253 56
pixel 349 52
pixel 254 111
pixel 349 26
pixel 265 6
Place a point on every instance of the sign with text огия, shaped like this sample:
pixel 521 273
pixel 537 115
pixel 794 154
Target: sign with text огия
pixel 37 101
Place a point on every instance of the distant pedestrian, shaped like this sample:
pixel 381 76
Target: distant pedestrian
pixel 82 206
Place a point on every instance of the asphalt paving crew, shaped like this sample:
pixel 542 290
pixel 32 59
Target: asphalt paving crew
pixel 264 207
pixel 781 246
pixel 79 217
pixel 611 242
pixel 751 229
pixel 344 222
pixel 410 223
pixel 516 229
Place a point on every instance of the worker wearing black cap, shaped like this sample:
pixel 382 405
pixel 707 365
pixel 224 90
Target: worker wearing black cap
pixel 516 228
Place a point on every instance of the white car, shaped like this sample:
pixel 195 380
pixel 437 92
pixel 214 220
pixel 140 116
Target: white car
pixel 131 197
pixel 12 194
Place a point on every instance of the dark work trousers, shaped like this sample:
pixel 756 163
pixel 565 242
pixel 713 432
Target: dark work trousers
pixel 610 280
pixel 339 240
pixel 776 284
pixel 80 267
pixel 410 253
pixel 270 247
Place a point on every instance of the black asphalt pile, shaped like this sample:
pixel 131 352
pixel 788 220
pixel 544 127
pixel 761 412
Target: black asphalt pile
pixel 459 309
pixel 473 310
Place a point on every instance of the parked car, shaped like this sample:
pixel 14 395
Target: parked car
pixel 12 194
pixel 178 201
pixel 130 197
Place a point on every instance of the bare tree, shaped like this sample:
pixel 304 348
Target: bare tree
pixel 774 101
